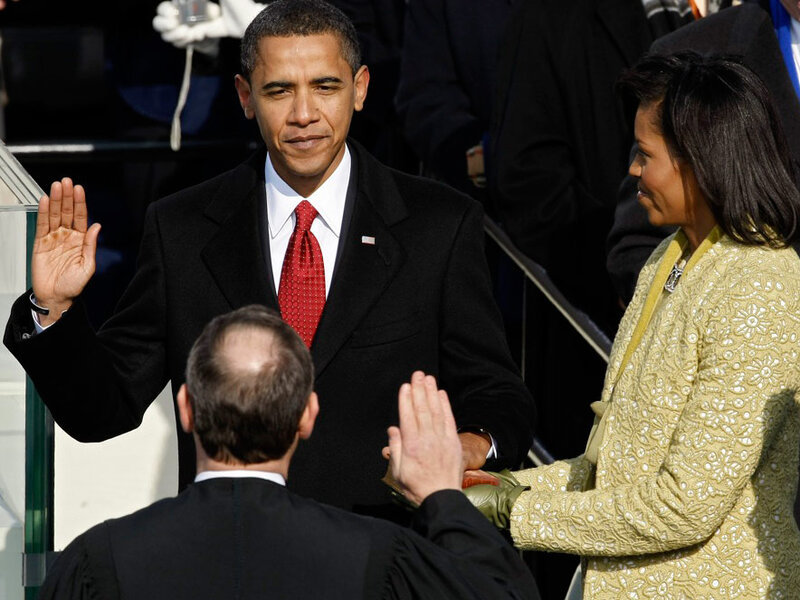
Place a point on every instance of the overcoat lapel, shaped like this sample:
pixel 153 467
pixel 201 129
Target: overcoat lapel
pixel 365 269
pixel 235 255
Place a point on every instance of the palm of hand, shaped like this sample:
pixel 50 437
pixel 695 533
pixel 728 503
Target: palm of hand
pixel 64 248
pixel 60 269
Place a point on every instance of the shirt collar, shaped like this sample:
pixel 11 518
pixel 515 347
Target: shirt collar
pixel 795 31
pixel 328 199
pixel 206 475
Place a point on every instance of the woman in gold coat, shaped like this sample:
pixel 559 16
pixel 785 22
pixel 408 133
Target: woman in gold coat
pixel 689 477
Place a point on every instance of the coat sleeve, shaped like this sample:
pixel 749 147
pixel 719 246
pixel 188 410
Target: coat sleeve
pixel 453 552
pixel 742 394
pixel 99 385
pixel 476 367
pixel 84 570
pixel 569 475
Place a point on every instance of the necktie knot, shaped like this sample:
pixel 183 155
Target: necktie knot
pixel 305 214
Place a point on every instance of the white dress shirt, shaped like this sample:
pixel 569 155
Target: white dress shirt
pixel 206 475
pixel 328 200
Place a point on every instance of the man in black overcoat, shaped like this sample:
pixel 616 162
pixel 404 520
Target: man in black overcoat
pixel 406 281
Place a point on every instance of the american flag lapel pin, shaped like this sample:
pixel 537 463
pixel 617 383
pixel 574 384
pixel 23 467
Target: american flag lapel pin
pixel 368 240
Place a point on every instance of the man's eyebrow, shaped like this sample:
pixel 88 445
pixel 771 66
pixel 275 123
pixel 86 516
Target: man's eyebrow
pixel 328 79
pixel 276 84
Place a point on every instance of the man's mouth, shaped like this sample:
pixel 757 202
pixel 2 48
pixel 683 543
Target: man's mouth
pixel 304 142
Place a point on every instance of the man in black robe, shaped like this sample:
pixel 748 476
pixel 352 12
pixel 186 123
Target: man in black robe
pixel 236 532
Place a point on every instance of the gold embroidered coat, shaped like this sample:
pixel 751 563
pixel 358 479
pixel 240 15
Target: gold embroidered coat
pixel 697 467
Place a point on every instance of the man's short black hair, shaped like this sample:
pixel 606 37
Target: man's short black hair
pixel 247 408
pixel 284 18
pixel 717 116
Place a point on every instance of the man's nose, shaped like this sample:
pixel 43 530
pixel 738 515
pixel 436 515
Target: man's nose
pixel 304 110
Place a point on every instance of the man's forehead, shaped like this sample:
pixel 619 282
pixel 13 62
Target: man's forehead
pixel 296 50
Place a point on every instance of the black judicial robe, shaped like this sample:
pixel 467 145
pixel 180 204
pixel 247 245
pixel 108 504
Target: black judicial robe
pixel 242 538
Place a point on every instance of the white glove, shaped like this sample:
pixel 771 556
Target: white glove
pixel 228 19
pixel 202 35
pixel 238 14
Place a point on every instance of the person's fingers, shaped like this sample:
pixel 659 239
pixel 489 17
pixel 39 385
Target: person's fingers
pixel 434 404
pixel 54 213
pixel 419 399
pixel 89 249
pixel 182 34
pixel 80 217
pixel 167 9
pixel 395 450
pixel 447 413
pixel 43 217
pixel 165 23
pixel 67 202
pixel 405 410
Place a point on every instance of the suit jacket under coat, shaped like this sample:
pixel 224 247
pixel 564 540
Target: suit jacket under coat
pixel 249 538
pixel 418 298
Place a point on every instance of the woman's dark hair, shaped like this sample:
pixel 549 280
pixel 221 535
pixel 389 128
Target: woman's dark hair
pixel 717 116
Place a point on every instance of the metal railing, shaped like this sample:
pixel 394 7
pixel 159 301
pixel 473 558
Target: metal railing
pixel 579 320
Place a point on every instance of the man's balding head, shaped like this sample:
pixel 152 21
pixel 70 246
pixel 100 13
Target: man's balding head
pixel 249 377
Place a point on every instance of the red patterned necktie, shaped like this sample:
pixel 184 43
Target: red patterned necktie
pixel 301 295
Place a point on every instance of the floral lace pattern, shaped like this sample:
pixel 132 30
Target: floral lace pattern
pixel 697 469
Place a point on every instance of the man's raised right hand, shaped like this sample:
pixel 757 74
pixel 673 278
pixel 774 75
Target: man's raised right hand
pixel 63 249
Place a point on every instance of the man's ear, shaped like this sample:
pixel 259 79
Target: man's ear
pixel 185 412
pixel 361 83
pixel 243 90
pixel 306 425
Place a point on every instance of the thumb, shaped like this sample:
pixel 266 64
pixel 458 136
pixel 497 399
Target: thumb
pixel 89 249
pixel 395 450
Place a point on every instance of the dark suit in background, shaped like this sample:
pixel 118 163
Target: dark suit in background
pixel 447 73
pixel 560 139
pixel 418 298
pixel 249 538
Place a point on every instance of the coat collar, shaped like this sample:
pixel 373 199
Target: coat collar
pixel 235 255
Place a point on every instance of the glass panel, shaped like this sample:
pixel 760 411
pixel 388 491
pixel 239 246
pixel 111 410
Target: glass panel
pixel 17 188
pixel 13 281
pixel 25 426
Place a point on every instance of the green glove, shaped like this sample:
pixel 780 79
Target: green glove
pixel 495 501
